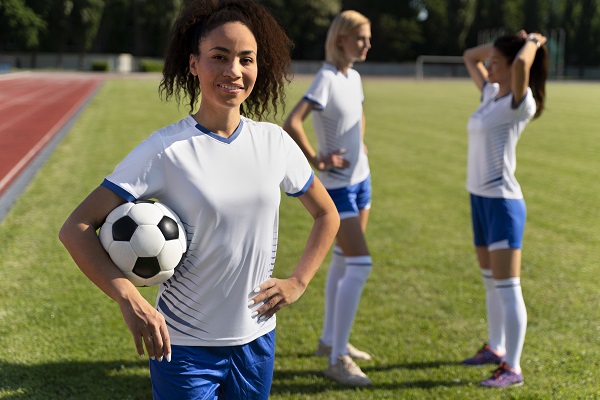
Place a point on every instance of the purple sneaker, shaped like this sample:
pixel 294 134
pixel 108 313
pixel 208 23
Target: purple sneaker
pixel 503 376
pixel 484 356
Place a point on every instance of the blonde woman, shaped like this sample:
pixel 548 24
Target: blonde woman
pixel 335 99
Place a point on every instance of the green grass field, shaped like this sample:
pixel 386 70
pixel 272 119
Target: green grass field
pixel 422 310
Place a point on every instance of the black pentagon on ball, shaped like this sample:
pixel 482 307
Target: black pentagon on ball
pixel 146 267
pixel 123 229
pixel 169 228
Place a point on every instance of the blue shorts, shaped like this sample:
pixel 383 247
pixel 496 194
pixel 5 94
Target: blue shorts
pixel 229 372
pixel 498 223
pixel 351 199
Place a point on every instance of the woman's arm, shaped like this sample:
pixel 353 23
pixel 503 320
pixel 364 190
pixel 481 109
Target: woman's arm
pixel 279 293
pixel 294 127
pixel 473 59
pixel 522 64
pixel 78 235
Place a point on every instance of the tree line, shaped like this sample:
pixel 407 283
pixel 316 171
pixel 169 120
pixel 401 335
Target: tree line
pixel 402 29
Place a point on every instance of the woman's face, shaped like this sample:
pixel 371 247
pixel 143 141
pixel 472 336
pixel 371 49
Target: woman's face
pixel 226 66
pixel 499 70
pixel 356 45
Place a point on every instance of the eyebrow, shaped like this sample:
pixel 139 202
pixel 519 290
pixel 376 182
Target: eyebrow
pixel 226 50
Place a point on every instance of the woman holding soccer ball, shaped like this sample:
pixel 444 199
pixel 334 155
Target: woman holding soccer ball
pixel 335 98
pixel 221 173
pixel 512 93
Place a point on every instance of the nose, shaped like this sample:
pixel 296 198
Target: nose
pixel 233 69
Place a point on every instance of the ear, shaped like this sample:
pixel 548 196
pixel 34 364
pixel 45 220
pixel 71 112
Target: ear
pixel 194 64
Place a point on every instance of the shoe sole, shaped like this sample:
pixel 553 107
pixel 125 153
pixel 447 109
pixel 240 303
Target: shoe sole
pixel 505 387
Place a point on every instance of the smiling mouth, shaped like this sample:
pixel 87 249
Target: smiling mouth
pixel 230 87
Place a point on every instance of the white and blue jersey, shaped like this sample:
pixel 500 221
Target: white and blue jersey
pixel 227 193
pixel 494 130
pixel 337 120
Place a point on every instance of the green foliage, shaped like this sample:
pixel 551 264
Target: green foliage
pixel 100 66
pixel 422 310
pixel 151 66
pixel 306 23
pixel 20 26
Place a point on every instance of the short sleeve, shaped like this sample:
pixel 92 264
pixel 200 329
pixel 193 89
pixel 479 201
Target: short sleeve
pixel 318 92
pixel 298 173
pixel 141 174
pixel 527 107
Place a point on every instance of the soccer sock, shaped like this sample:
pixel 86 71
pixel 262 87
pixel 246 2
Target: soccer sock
pixel 346 304
pixel 495 313
pixel 515 319
pixel 336 271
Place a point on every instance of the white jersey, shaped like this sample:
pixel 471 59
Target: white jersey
pixel 337 100
pixel 494 130
pixel 227 194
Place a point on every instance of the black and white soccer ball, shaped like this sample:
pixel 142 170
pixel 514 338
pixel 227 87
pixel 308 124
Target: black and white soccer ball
pixel 145 239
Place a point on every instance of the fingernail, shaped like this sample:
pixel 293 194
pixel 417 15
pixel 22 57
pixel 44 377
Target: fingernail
pixel 160 359
pixel 142 356
pixel 152 358
pixel 254 313
pixel 257 289
pixel 250 303
pixel 168 357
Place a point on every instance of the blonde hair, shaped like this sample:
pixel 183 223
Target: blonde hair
pixel 343 24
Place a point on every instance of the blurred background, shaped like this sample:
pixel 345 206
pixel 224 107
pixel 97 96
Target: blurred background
pixel 130 35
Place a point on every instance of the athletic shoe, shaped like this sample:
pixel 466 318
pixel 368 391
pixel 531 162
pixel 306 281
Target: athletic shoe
pixel 484 356
pixel 503 376
pixel 346 372
pixel 325 351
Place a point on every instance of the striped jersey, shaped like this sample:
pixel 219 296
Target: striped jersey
pixel 227 192
pixel 337 120
pixel 494 130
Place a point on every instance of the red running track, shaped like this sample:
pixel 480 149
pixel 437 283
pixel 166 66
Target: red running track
pixel 33 109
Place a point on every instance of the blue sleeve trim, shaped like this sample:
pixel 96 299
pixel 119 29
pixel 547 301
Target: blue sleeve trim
pixel 316 105
pixel 515 106
pixel 305 188
pixel 118 190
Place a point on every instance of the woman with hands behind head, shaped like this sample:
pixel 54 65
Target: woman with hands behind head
pixel 335 98
pixel 212 332
pixel 513 92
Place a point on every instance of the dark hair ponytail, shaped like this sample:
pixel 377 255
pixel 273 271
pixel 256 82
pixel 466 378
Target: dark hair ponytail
pixel 537 78
pixel 510 45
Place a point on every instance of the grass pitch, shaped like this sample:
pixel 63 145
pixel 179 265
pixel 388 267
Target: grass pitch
pixel 422 310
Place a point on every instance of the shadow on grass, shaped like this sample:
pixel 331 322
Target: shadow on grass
pixel 314 382
pixel 130 380
pixel 75 380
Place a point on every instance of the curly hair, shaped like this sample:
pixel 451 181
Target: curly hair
pixel 196 20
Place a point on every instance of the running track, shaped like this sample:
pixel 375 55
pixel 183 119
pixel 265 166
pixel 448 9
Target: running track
pixel 33 110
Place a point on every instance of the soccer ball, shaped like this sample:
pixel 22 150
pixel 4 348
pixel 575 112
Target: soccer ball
pixel 145 239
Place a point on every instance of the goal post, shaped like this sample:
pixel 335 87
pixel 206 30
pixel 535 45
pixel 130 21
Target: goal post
pixel 428 59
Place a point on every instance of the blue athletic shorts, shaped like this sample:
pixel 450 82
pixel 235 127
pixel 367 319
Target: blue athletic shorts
pixel 229 372
pixel 498 223
pixel 349 200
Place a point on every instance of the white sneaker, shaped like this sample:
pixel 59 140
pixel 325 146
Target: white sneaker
pixel 346 372
pixel 324 351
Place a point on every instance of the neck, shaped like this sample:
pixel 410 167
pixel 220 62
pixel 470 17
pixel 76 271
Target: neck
pixel 222 124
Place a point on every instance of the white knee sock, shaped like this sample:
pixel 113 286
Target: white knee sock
pixel 515 319
pixel 495 313
pixel 346 304
pixel 337 268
